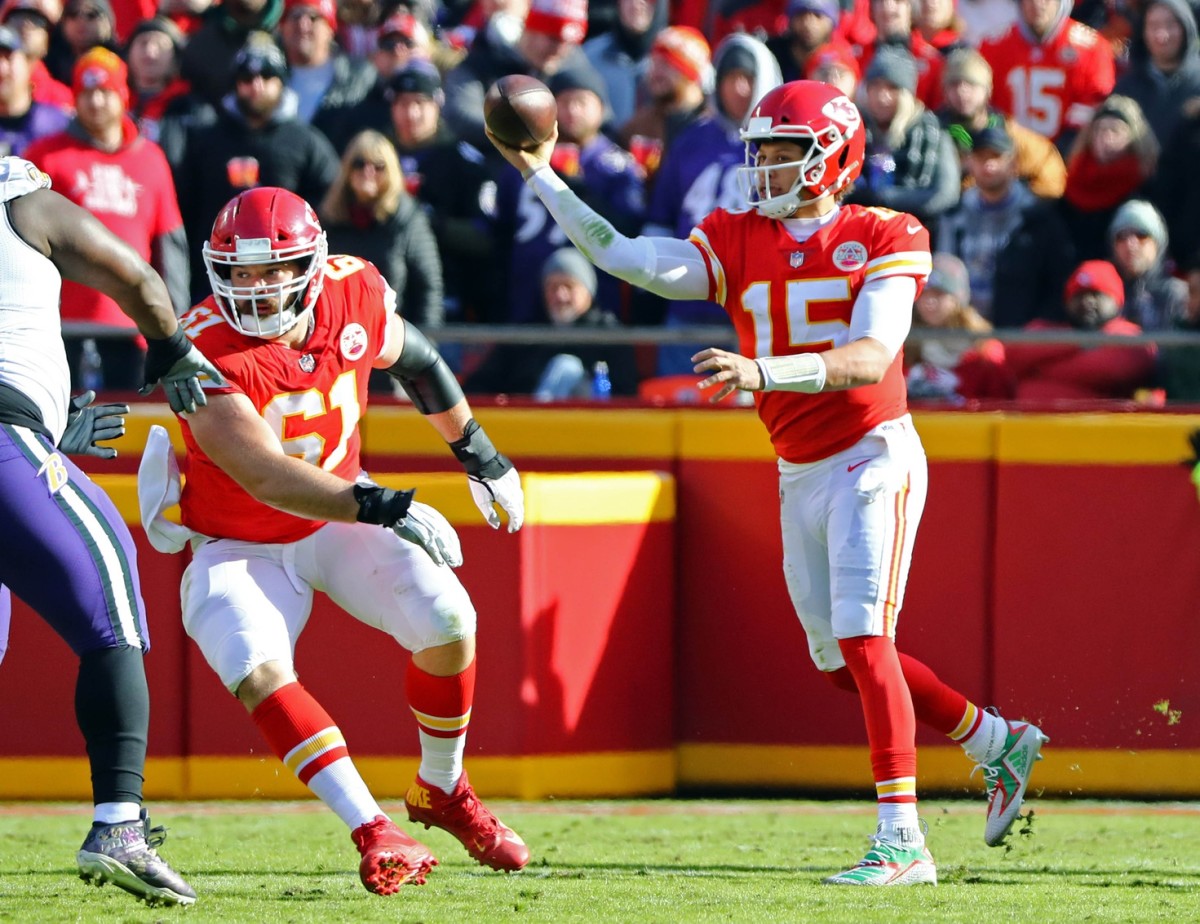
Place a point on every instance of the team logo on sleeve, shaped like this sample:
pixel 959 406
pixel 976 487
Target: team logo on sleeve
pixel 354 341
pixel 850 256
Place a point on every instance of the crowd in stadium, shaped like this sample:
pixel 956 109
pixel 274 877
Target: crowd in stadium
pixel 1046 146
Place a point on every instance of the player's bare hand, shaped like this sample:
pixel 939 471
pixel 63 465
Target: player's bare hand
pixel 732 371
pixel 526 161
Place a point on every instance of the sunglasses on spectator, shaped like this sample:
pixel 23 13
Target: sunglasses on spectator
pixel 1130 232
pixel 90 14
pixel 392 42
pixel 361 163
pixel 17 17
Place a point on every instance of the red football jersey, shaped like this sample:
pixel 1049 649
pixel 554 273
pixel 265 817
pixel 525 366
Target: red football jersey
pixel 1053 85
pixel 788 297
pixel 312 398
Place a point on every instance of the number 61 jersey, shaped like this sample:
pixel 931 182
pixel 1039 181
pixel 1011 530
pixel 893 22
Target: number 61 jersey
pixel 786 297
pixel 311 397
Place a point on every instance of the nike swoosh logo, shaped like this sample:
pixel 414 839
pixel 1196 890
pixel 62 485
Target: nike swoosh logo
pixel 913 229
pixel 851 468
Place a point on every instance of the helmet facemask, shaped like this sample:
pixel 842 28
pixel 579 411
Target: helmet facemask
pixel 755 180
pixel 294 299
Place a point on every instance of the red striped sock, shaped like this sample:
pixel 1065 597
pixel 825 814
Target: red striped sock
pixel 299 731
pixel 888 710
pixel 442 707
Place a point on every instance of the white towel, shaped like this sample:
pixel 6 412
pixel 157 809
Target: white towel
pixel 159 488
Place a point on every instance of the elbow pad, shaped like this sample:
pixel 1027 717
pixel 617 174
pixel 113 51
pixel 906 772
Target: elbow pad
pixel 424 375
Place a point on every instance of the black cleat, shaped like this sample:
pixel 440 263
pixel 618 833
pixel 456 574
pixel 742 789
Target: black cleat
pixel 124 855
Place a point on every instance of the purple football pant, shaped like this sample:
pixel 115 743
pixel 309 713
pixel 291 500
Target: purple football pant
pixel 65 549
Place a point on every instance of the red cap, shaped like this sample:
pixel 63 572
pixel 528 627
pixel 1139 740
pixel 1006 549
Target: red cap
pixel 326 9
pixel 565 20
pixel 1097 276
pixel 99 67
pixel 686 50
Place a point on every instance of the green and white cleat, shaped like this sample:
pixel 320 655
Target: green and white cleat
pixel 1007 778
pixel 889 864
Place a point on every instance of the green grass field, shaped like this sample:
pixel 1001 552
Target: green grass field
pixel 657 860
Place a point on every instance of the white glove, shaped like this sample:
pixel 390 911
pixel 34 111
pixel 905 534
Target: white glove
pixel 505 491
pixel 424 526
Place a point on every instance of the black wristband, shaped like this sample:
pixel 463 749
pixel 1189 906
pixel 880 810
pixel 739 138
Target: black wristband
pixel 382 506
pixel 161 355
pixel 477 454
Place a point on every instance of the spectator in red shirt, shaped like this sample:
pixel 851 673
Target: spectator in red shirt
pixel 940 25
pixel 101 163
pixel 1095 296
pixel 894 26
pixel 1050 71
pixel 810 25
pixel 835 65
pixel 34 20
pixel 154 82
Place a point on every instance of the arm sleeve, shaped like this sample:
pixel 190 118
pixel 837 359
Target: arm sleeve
pixel 883 311
pixel 174 265
pixel 665 266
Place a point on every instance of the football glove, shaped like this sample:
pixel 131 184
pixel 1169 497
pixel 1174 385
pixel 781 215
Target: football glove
pixel 89 424
pixel 178 366
pixel 413 522
pixel 491 477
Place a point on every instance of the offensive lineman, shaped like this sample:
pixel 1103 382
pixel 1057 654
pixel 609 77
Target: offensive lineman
pixel 821 297
pixel 281 508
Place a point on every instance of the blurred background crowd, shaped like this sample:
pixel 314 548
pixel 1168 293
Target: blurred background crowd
pixel 1047 145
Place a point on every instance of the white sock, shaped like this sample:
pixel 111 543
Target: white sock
pixel 112 813
pixel 987 743
pixel 899 824
pixel 442 760
pixel 341 788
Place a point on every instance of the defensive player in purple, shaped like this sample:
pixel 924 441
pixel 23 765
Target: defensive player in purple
pixel 65 549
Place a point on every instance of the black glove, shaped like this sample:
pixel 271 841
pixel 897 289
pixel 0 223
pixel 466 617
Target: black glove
pixel 382 506
pixel 87 426
pixel 178 366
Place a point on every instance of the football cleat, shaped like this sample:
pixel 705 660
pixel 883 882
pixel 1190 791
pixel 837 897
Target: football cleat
pixel 124 854
pixel 890 864
pixel 1007 778
pixel 390 858
pixel 486 837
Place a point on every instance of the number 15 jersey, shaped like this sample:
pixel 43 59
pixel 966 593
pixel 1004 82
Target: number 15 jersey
pixel 786 297
pixel 312 398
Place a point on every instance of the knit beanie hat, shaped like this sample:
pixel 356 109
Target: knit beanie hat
pixel 568 261
pixel 949 275
pixel 896 66
pixel 1139 215
pixel 566 20
pixel 99 67
pixel 1096 276
pixel 685 50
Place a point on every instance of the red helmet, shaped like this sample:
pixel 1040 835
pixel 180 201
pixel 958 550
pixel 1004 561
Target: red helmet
pixel 263 226
pixel 823 121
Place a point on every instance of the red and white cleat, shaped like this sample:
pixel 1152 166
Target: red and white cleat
pixel 486 837
pixel 390 858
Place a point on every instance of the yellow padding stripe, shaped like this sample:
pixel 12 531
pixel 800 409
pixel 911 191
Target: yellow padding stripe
pixel 584 499
pixel 737 434
pixel 318 744
pixel 902 786
pixel 968 720
pixel 440 723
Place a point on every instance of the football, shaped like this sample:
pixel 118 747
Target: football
pixel 520 111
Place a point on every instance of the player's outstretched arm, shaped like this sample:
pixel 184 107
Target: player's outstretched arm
pixel 86 252
pixel 413 361
pixel 666 266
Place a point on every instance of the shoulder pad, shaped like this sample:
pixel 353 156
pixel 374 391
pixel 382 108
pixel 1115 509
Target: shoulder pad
pixel 19 177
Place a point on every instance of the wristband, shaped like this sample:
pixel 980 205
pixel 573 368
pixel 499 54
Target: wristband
pixel 162 354
pixel 477 454
pixel 804 372
pixel 382 506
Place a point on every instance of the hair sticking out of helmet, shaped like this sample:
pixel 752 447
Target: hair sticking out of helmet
pixel 827 131
pixel 265 227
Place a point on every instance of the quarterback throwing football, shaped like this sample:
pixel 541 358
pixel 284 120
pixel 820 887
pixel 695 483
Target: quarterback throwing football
pixel 821 296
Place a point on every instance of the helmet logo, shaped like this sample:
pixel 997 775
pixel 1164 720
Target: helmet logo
pixel 840 109
pixel 850 256
pixel 354 341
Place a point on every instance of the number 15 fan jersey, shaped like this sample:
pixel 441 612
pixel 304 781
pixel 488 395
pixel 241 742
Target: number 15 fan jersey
pixel 312 398
pixel 787 297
